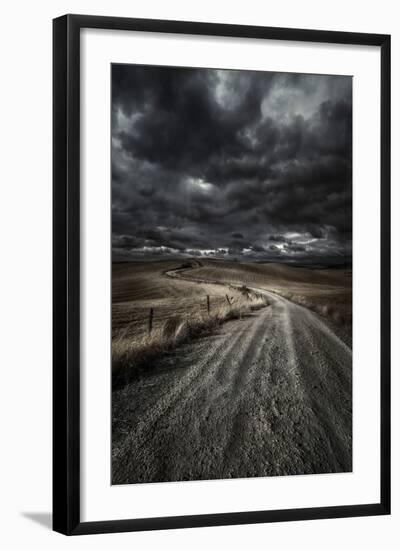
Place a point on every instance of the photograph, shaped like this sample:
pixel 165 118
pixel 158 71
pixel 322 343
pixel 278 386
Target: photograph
pixel 231 248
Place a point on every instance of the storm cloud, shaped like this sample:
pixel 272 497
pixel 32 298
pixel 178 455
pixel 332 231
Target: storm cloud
pixel 225 163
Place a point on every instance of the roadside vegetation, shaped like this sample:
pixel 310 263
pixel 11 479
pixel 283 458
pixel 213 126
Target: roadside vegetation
pixel 335 306
pixel 327 292
pixel 143 340
pixel 160 305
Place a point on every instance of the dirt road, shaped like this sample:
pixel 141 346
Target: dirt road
pixel 268 395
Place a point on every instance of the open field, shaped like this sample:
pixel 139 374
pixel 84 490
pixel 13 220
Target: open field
pixel 180 309
pixel 188 298
pixel 267 393
pixel 139 286
pixel 326 291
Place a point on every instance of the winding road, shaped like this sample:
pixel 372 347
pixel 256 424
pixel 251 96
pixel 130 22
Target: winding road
pixel 267 395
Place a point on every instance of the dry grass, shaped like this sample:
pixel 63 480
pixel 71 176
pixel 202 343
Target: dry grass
pixel 132 350
pixel 139 286
pixel 328 292
pixel 334 305
pixel 180 304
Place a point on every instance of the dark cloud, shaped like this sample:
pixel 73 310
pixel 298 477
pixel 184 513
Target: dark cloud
pixel 277 238
pixel 227 162
pixel 295 247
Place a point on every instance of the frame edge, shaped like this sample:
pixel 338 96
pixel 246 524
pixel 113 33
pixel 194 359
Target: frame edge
pixel 66 230
pixel 66 476
pixel 385 274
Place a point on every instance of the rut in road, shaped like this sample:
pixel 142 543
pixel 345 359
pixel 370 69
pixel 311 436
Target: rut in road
pixel 268 395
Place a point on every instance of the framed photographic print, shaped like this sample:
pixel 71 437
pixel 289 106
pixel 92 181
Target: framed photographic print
pixel 221 274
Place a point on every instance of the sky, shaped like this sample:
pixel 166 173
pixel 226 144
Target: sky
pixel 246 165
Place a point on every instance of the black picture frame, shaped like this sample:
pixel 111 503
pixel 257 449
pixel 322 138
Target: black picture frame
pixel 66 273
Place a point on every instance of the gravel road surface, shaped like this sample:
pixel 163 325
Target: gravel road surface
pixel 267 395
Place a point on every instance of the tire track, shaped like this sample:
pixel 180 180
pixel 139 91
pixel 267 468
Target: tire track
pixel 268 395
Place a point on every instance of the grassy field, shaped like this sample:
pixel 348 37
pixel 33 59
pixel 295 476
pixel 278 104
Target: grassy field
pixel 325 291
pixel 181 310
pixel 190 298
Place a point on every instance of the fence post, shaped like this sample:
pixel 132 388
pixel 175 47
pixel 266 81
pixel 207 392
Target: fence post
pixel 208 304
pixel 151 313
